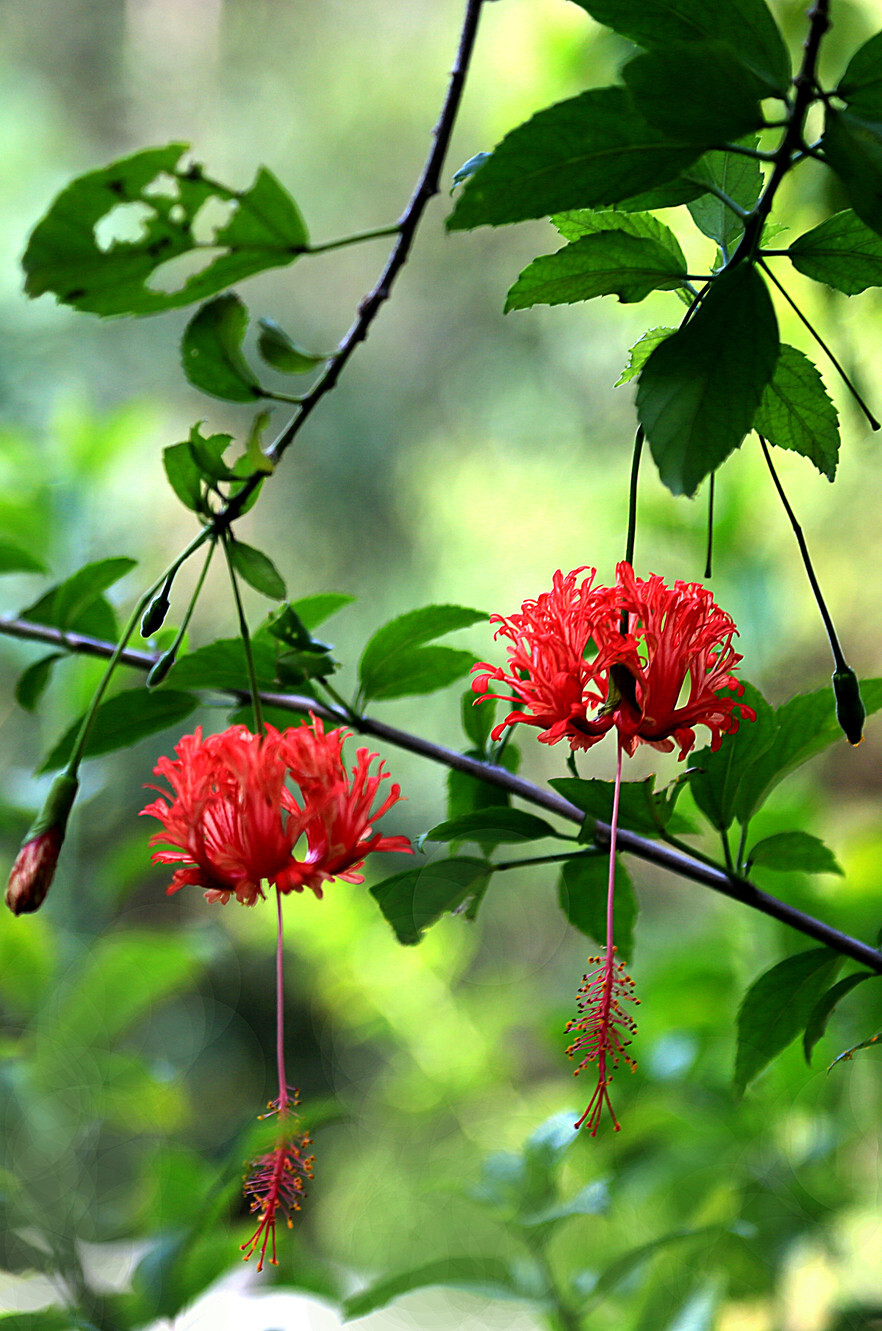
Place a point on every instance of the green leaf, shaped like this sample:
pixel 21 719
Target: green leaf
pixel 65 605
pixel 223 665
pixel 853 147
pixel 593 1199
pixel 861 84
pixel 478 718
pixel 700 389
pixel 640 810
pixel 592 150
pixel 624 1266
pixel 485 1276
pixel 745 25
pixel 605 264
pixel 15 560
pixel 208 454
pixel 698 91
pixel 467 794
pixel 806 725
pixel 184 475
pixel 580 222
pixel 717 778
pixel 121 721
pixel 211 351
pixel 495 825
pixel 640 353
pixel 257 569
pixel 277 349
pixel 796 412
pixel 842 252
pixel 777 1007
pixel 581 893
pixel 32 682
pixel 794 850
pixel 390 667
pixel 415 899
pixel 314 610
pixel 740 179
pixel 823 1009
pixel 48 1319
pixel 64 254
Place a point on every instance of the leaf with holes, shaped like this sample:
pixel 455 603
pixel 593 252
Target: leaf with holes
pixel 164 198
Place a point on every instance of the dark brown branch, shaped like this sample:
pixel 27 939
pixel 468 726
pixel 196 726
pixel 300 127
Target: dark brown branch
pixel 426 188
pixel 666 857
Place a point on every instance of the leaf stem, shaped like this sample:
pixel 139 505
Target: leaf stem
pixel 874 424
pixel 355 239
pixel 835 648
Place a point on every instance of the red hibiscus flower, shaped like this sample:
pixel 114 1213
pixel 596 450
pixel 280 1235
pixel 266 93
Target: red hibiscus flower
pixel 236 822
pixel 577 674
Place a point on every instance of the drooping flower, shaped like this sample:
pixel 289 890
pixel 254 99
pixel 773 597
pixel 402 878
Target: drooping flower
pixel 650 660
pixel 236 822
pixel 276 1181
pixel 31 875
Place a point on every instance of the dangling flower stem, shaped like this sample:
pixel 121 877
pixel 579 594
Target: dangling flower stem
pixel 227 538
pixel 708 560
pixel 280 1009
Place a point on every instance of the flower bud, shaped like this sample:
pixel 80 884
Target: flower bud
pixel 850 712
pixel 154 616
pixel 161 667
pixel 34 866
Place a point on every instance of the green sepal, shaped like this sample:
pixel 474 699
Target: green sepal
pixel 56 810
pixel 850 710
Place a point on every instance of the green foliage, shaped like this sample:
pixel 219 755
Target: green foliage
pixel 861 84
pixel 13 559
pixel 700 388
pixel 640 353
pixel 76 604
pixel 211 351
pixel 395 661
pixel 794 850
pixel 494 826
pixel 740 179
pixel 277 349
pixel 695 90
pixel 122 721
pixel 414 900
pixel 745 25
pixel 581 893
pixel 796 413
pixel 488 1276
pixel 257 569
pixel 777 1007
pixel 641 808
pixel 604 264
pixel 853 147
pixel 588 152
pixel 223 665
pixel 64 255
pixel 823 1009
pixel 842 252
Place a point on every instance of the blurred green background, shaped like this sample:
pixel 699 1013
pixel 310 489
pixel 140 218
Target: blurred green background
pixel 464 457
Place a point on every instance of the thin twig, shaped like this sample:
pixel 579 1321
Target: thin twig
pixel 666 857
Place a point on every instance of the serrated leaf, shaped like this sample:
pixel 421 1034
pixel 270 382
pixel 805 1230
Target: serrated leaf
pixel 745 25
pixel 485 1276
pixel 740 179
pixel 208 454
pixel 640 353
pixel 582 891
pixel 257 569
pixel 794 850
pixel 495 825
pixel 64 605
pixel 842 252
pixel 65 257
pixel 32 682
pixel 390 656
pixel 580 222
pixel 777 1007
pixel 415 899
pixel 796 412
pixel 861 84
pixel 698 91
pixel 716 777
pixel 605 264
pixel 593 150
pixel 823 1009
pixel 13 559
pixel 277 349
pixel 700 389
pixel 211 351
pixel 121 721
pixel 853 147
pixel 223 665
pixel 805 726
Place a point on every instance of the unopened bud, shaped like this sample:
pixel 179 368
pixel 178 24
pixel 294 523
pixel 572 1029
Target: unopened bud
pixel 159 671
pixel 34 866
pixel 850 712
pixel 154 616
